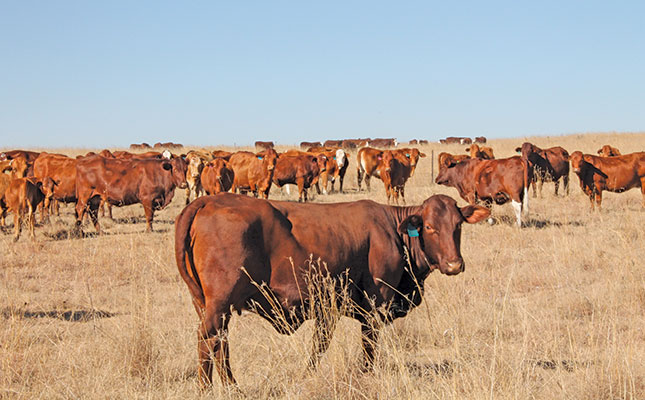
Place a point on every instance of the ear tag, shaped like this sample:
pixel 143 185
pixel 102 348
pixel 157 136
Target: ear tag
pixel 259 157
pixel 334 158
pixel 407 155
pixel 412 231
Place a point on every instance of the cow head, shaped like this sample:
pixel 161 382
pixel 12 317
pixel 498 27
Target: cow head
pixel 178 167
pixel 321 163
pixel 223 174
pixel 195 167
pixel 434 233
pixel 577 162
pixel 341 158
pixel 268 157
pixel 19 167
pixel 608 151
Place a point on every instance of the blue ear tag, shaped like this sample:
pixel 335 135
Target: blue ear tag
pixel 334 158
pixel 412 231
pixel 407 155
pixel 259 157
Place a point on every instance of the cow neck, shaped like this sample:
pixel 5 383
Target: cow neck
pixel 412 247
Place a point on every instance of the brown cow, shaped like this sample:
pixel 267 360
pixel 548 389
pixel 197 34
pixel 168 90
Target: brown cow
pixel 484 152
pixel 480 140
pixel 23 196
pixel 217 176
pixel 368 160
pixel 196 161
pixel 423 141
pixel 333 143
pixel 62 170
pixel 336 167
pixel 489 181
pixel 413 157
pixel 546 165
pixel 124 182
pixel 394 171
pixel 28 156
pixel 306 145
pixel 413 141
pixel 226 155
pixel 299 168
pixel 259 146
pixel 142 146
pixel 236 253
pixel 614 174
pixel 253 172
pixel 386 143
pixel 446 159
pixel 608 151
pixel 456 140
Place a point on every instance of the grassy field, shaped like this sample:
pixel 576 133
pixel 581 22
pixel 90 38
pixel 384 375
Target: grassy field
pixel 554 310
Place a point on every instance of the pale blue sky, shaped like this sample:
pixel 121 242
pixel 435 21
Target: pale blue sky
pixel 97 74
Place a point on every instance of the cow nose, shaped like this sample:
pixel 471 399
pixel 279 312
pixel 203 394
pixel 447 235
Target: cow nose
pixel 270 167
pixel 455 267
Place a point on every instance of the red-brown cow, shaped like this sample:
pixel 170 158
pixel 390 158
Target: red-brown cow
pixel 489 181
pixel 333 143
pixel 480 140
pixel 336 167
pixel 217 176
pixel 546 165
pixel 614 174
pixel 389 142
pixel 28 156
pixel 368 160
pixel 412 155
pixel 395 169
pixel 62 170
pixel 237 253
pixel 608 151
pixel 456 140
pixel 253 172
pixel 306 145
pixel 484 152
pixel 299 168
pixel 124 182
pixel 23 196
pixel 226 155
pixel 423 141
pixel 264 145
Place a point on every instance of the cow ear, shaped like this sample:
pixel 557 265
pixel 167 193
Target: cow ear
pixel 474 214
pixel 422 155
pixel 518 149
pixel 167 166
pixel 410 226
pixel 259 158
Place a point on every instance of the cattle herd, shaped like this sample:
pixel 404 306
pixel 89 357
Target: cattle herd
pixel 391 249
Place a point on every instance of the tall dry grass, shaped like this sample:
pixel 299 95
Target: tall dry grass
pixel 554 310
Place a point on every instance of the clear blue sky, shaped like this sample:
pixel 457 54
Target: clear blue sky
pixel 110 73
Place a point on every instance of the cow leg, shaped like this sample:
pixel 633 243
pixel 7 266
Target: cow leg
pixel 359 178
pixel 599 200
pixel 369 339
pixel 302 195
pixel 540 183
pixel 517 207
pixel 367 182
pixel 565 183
pixel 93 211
pixel 557 185
pixel 402 191
pixel 643 191
pixel 149 212
pixel 17 223
pixel 32 221
pixel 340 189
pixel 533 186
pixel 56 207
pixel 188 190
pixel 109 207
pixel 213 343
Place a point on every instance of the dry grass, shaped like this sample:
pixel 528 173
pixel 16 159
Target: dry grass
pixel 556 310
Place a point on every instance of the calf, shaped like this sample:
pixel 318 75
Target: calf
pixel 336 167
pixel 546 165
pixel 489 181
pixel 23 196
pixel 196 161
pixel 299 168
pixel 395 169
pixel 484 152
pixel 368 160
pixel 614 174
pixel 608 151
pixel 217 176
pixel 253 172
pixel 62 170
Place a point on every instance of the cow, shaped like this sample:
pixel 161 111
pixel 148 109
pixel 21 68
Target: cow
pixel 253 172
pixel 608 151
pixel 217 176
pixel 306 145
pixel 29 157
pixel 546 165
pixel 456 140
pixel 368 160
pixel 489 181
pixel 235 253
pixel 259 146
pixel 385 143
pixel 142 146
pixel 394 171
pixel 299 168
pixel 62 170
pixel 484 152
pixel 614 174
pixel 413 141
pixel 480 140
pixel 412 155
pixel 335 167
pixel 423 142
pixel 333 143
pixel 125 155
pixel 22 196
pixel 124 182
pixel 196 161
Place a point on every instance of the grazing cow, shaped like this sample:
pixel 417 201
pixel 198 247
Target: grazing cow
pixel 484 152
pixel 124 182
pixel 253 172
pixel 394 171
pixel 336 167
pixel 368 160
pixel 423 141
pixel 196 161
pixel 62 170
pixel 226 155
pixel 480 140
pixel 608 151
pixel 235 253
pixel 413 141
pixel 456 140
pixel 142 146
pixel 489 181
pixel 263 145
pixel 306 145
pixel 22 196
pixel 546 165
pixel 299 168
pixel 614 174
pixel 385 143
pixel 217 176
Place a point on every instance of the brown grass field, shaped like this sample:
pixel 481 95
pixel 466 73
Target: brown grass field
pixel 555 310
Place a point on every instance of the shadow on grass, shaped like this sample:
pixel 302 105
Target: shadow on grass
pixel 70 316
pixel 536 223
pixel 567 365
pixel 65 234
pixel 445 368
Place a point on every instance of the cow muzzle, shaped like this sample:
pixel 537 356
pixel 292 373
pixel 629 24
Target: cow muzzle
pixel 454 267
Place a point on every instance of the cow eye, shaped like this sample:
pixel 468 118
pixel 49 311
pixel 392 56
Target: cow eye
pixel 430 229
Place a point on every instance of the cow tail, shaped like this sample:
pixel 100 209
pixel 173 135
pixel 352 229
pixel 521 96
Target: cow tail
pixel 183 251
pixel 526 183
